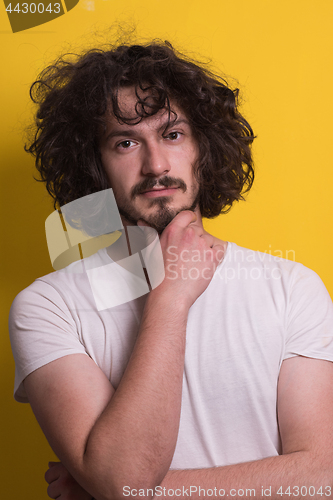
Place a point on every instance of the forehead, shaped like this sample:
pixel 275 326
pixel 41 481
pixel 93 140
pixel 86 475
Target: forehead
pixel 130 107
pixel 128 98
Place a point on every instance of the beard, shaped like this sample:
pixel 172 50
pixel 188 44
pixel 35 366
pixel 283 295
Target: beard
pixel 163 214
pixel 161 218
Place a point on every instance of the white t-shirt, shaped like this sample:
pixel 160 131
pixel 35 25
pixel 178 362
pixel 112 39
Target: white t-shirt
pixel 257 311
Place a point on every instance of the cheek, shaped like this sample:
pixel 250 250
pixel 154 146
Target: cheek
pixel 121 184
pixel 188 156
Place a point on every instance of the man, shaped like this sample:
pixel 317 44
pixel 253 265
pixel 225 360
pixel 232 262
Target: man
pixel 216 383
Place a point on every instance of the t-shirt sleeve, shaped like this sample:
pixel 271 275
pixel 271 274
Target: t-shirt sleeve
pixel 42 329
pixel 309 317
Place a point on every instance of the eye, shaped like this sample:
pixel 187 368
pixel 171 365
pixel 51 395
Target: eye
pixel 125 144
pixel 173 136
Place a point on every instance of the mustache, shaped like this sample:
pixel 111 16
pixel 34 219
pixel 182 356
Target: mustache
pixel 150 183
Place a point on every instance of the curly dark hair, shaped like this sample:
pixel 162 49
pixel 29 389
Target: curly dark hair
pixel 74 97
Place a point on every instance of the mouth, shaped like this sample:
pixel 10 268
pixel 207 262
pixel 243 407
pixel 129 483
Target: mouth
pixel 162 191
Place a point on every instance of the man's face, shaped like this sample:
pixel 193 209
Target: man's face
pixel 150 168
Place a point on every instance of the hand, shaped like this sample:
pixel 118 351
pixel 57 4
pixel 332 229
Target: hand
pixel 190 257
pixel 62 485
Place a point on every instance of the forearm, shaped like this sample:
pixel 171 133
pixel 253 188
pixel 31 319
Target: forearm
pixel 273 477
pixel 136 434
pixel 295 475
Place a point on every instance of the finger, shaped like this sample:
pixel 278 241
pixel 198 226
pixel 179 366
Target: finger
pixel 53 490
pixel 209 239
pixel 53 473
pixel 219 252
pixel 185 218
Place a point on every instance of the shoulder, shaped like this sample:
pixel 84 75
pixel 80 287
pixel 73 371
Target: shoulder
pixel 41 291
pixel 42 303
pixel 275 263
pixel 302 288
pixel 44 323
pixel 67 289
pixel 44 291
pixel 254 272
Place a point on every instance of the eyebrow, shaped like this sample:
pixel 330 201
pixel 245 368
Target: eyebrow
pixel 130 131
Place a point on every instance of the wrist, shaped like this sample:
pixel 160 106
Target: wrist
pixel 163 296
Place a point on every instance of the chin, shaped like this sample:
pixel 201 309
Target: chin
pixel 160 218
pixel 159 213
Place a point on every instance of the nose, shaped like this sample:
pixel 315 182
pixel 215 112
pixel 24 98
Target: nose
pixel 155 160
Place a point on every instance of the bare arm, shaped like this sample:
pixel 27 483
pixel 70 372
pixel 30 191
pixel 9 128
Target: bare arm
pixel 103 437
pixel 305 470
pixel 107 439
pixel 305 410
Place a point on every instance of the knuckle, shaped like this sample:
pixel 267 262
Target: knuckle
pixel 188 237
pixel 203 242
pixel 190 231
pixel 171 229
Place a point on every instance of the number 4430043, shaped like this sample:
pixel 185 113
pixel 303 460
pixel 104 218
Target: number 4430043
pixel 305 491
pixel 33 8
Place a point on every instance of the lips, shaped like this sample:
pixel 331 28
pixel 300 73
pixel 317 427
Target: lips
pixel 161 191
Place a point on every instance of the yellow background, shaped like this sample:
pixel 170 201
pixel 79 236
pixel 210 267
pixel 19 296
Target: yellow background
pixel 281 55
